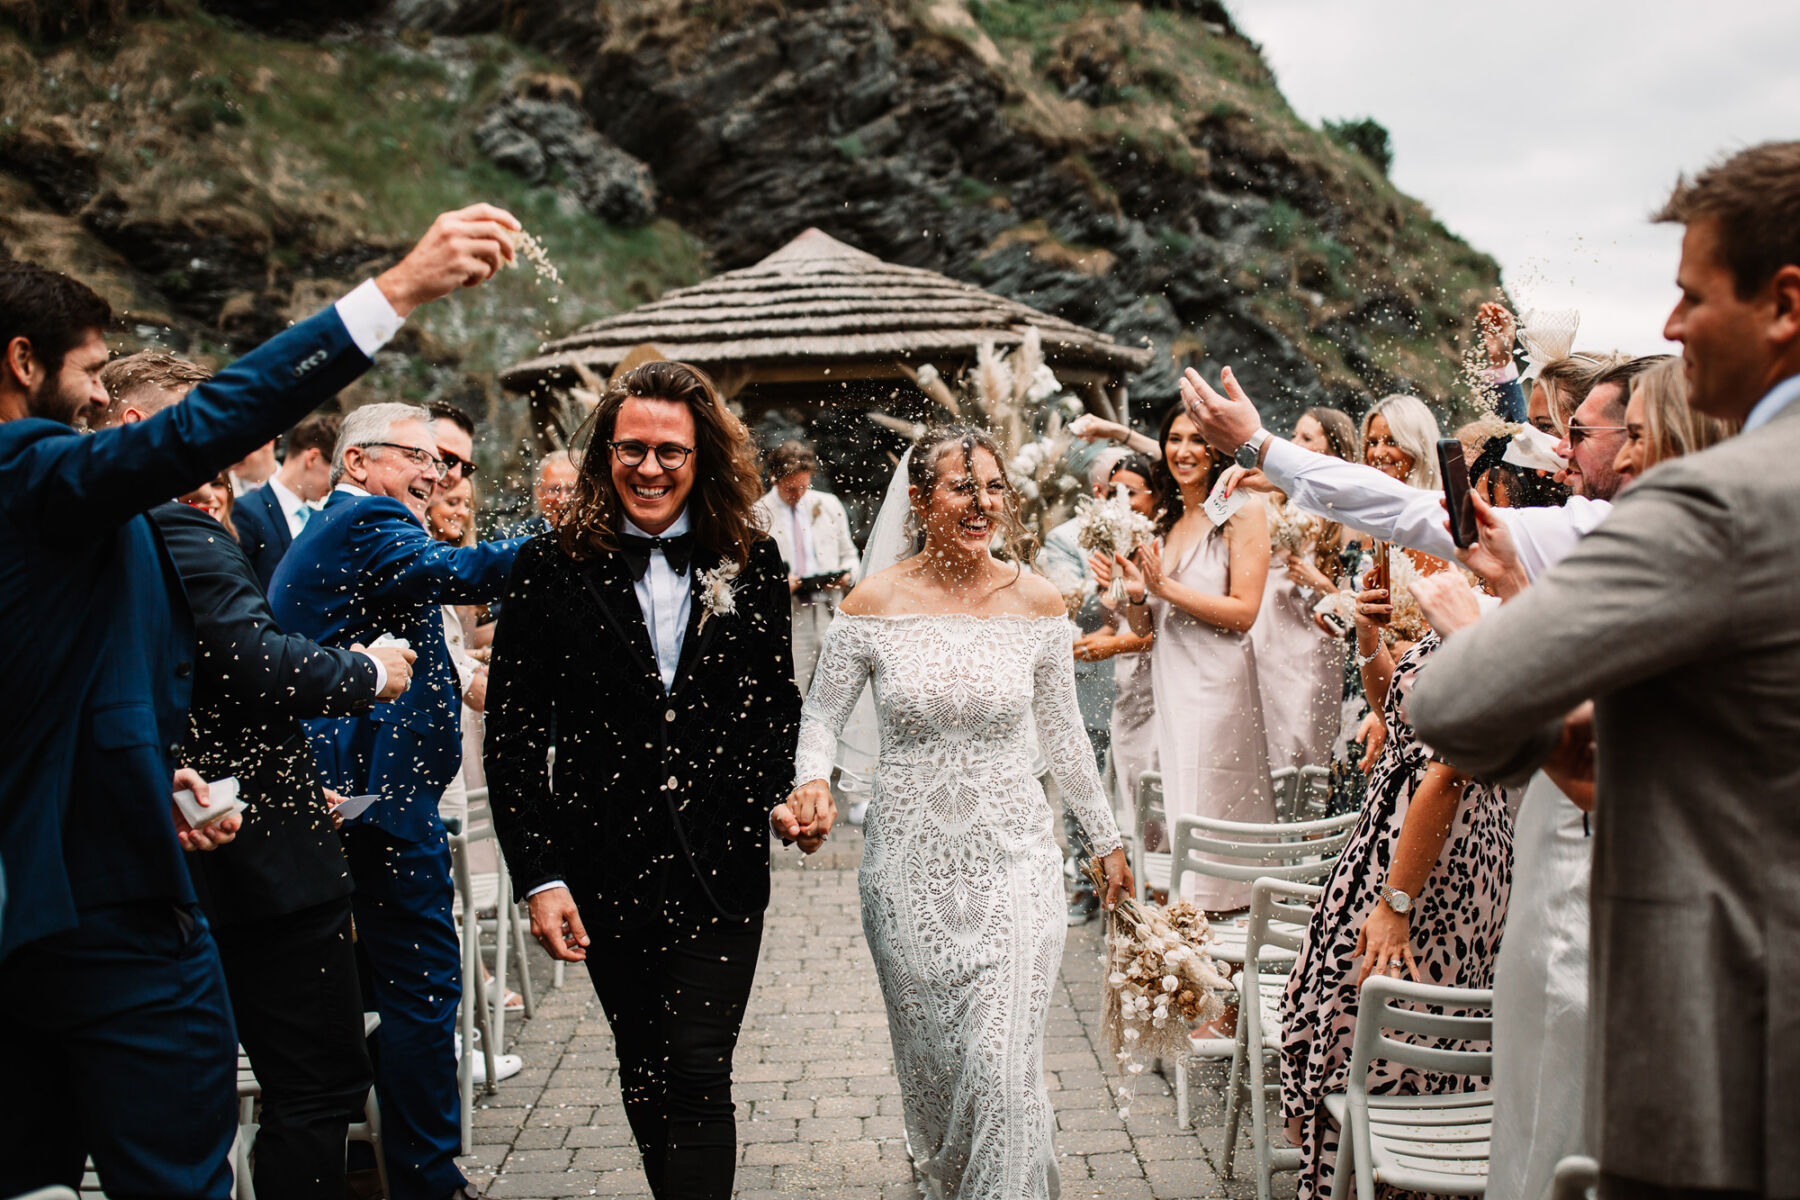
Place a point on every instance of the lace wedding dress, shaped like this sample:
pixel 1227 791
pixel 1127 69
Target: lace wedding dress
pixel 961 879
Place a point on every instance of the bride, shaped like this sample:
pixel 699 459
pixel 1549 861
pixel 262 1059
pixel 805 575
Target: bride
pixel 961 878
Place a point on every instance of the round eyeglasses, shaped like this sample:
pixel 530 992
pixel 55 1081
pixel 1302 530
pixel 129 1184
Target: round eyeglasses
pixel 669 455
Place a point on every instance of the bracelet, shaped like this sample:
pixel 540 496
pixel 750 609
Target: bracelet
pixel 1363 660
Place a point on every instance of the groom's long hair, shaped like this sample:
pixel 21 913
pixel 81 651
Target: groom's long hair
pixel 727 484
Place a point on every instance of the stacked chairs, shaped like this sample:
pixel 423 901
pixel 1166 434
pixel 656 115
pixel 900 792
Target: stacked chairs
pixel 1279 911
pixel 1436 1144
pixel 483 1014
pixel 1243 852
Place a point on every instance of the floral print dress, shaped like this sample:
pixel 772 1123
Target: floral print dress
pixel 1456 925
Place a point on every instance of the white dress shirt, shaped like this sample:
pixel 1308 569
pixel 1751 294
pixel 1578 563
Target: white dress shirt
pixel 665 599
pixel 805 560
pixel 1367 500
pixel 293 508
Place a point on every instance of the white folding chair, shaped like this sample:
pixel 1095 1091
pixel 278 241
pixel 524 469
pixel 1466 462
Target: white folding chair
pixel 1436 1144
pixel 473 1014
pixel 1279 912
pixel 508 924
pixel 1150 865
pixel 1577 1178
pixel 55 1191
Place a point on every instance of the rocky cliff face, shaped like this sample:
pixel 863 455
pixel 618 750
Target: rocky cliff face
pixel 1131 166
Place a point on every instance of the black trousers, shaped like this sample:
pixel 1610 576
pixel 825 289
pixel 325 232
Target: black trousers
pixel 300 1018
pixel 674 992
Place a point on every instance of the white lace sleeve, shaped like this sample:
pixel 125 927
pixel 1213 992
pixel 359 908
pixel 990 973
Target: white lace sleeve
pixel 1064 742
pixel 837 684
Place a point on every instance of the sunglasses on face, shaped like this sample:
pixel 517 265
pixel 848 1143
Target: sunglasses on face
pixel 456 464
pixel 1580 433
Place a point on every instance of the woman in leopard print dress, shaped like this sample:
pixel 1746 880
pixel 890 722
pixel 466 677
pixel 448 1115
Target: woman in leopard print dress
pixel 1453 937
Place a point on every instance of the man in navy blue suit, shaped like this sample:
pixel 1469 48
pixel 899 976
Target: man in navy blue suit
pixel 363 568
pixel 270 517
pixel 109 979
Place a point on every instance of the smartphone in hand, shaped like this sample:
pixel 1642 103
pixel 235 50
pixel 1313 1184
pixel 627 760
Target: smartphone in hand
pixel 1454 469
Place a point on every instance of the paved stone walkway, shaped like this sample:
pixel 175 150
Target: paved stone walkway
pixel 818 1104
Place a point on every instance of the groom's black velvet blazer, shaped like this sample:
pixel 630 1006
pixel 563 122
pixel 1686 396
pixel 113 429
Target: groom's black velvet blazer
pixel 645 782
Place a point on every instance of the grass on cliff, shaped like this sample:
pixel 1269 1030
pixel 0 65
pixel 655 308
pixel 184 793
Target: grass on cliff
pixel 316 152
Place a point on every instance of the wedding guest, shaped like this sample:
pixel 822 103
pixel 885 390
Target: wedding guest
pixel 272 516
pixel 450 519
pixel 553 488
pixel 1676 619
pixel 1063 562
pixel 1299 663
pixel 1660 424
pixel 253 470
pixel 1133 733
pixel 1419 892
pixel 366 567
pixel 454 430
pixel 812 534
pixel 107 971
pixel 277 897
pixel 657 617
pixel 1499 388
pixel 213 498
pixel 1200 591
pixel 1565 382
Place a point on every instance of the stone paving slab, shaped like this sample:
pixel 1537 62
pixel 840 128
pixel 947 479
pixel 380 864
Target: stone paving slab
pixel 818 1103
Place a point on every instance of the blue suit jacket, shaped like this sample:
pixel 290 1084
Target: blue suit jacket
pixel 97 664
pixel 262 531
pixel 362 568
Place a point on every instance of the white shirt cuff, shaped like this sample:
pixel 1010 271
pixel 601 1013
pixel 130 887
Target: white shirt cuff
pixel 380 672
pixel 368 317
pixel 544 887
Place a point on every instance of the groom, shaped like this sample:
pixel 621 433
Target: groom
pixel 664 680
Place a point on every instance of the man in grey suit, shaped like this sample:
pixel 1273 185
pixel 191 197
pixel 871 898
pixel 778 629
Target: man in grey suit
pixel 1679 618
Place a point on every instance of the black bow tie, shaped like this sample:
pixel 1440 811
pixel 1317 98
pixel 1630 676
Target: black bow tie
pixel 679 550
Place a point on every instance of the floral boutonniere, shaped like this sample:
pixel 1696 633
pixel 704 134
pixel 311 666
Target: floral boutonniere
pixel 715 591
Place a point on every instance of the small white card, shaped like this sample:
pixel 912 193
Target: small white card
pixel 1219 507
pixel 387 640
pixel 355 807
pixel 222 801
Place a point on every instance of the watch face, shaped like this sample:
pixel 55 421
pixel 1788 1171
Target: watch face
pixel 1245 457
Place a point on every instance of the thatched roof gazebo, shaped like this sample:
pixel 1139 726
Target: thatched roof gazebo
pixel 818 324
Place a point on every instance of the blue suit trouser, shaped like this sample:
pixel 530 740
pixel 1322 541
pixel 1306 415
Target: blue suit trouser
pixel 406 931
pixel 123 1048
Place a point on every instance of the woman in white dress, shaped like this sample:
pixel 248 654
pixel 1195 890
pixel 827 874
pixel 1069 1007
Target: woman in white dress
pixel 961 879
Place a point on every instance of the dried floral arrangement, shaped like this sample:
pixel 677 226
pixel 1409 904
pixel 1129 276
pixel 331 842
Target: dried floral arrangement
pixel 1160 982
pixel 1112 527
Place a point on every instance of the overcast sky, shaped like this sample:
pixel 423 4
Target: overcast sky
pixel 1545 131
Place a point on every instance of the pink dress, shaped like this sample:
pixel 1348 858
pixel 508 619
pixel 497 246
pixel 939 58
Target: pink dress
pixel 1209 716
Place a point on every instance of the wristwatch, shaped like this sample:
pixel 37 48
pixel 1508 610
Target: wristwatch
pixel 1396 899
pixel 1248 455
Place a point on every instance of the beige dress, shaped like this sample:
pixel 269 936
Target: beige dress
pixel 1300 672
pixel 1209 716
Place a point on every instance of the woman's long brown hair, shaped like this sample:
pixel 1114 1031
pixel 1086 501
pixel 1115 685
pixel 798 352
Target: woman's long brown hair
pixel 727 484
pixel 1168 492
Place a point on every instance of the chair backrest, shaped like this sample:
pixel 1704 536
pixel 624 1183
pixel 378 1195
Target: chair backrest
pixel 1279 912
pixel 1312 795
pixel 478 825
pixel 1149 801
pixel 1382 1013
pixel 1245 851
pixel 1284 784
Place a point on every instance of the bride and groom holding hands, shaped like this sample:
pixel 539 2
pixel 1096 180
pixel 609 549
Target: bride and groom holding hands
pixel 647 641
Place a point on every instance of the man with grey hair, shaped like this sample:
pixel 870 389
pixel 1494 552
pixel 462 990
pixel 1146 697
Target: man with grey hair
pixel 363 568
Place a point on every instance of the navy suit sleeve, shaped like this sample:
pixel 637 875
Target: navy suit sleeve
pixel 58 484
pixel 280 673
pixel 403 562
